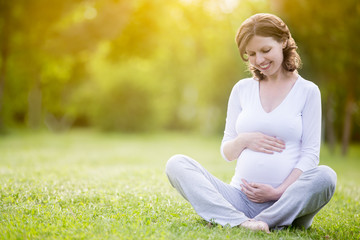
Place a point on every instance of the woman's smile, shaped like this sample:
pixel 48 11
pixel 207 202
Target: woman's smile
pixel 264 67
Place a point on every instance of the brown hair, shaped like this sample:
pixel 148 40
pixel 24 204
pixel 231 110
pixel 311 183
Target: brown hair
pixel 268 25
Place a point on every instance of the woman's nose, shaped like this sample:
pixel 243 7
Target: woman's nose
pixel 259 59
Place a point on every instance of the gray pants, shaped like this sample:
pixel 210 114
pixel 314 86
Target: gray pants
pixel 218 202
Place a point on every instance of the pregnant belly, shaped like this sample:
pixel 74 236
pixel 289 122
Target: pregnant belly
pixel 271 169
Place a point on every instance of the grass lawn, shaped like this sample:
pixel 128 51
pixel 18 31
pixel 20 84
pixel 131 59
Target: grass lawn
pixel 90 185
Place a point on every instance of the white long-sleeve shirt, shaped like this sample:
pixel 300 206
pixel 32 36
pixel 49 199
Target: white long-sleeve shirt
pixel 296 121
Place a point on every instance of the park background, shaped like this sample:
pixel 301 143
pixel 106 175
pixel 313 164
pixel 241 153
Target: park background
pixel 91 86
pixel 134 66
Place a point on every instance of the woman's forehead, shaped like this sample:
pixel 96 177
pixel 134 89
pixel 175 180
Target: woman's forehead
pixel 258 42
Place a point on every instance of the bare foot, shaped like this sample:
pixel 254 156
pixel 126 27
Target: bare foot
pixel 255 225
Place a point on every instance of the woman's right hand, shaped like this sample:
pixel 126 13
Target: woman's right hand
pixel 254 141
pixel 260 142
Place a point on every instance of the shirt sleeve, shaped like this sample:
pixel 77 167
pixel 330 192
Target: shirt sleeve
pixel 311 135
pixel 233 111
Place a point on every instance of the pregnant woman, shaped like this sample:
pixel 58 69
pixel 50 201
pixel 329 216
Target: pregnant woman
pixel 273 131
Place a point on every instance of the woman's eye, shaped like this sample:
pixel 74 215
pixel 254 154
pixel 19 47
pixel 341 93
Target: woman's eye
pixel 266 51
pixel 251 54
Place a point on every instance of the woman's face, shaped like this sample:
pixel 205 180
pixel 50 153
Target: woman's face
pixel 265 54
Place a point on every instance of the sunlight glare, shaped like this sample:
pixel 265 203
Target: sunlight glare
pixel 227 6
pixel 90 12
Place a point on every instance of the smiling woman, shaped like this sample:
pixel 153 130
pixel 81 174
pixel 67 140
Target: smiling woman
pixel 273 129
pixel 275 30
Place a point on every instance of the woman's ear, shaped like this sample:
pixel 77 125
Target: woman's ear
pixel 284 44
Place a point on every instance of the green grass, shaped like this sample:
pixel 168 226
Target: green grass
pixel 90 185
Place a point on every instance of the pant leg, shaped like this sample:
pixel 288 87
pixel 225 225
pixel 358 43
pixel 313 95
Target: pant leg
pixel 211 198
pixel 302 200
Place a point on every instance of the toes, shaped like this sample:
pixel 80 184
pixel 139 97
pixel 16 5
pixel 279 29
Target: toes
pixel 255 226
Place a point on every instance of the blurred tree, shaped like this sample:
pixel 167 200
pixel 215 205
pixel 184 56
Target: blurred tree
pixel 4 51
pixel 122 65
pixel 25 26
pixel 181 63
pixel 78 37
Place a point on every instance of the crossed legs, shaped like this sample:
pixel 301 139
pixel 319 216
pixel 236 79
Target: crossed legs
pixel 217 201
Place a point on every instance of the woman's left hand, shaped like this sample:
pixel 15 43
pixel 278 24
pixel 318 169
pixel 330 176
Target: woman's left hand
pixel 259 193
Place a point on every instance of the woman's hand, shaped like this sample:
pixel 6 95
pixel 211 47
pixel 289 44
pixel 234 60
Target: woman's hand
pixel 260 142
pixel 259 193
pixel 254 141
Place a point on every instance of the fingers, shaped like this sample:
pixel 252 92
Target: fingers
pixel 275 142
pixel 260 142
pixel 251 190
pixel 247 188
pixel 246 184
pixel 251 195
pixel 250 187
pixel 268 150
pixel 272 144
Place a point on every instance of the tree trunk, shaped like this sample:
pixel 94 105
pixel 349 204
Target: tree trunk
pixel 349 110
pixel 5 21
pixel 2 81
pixel 329 122
pixel 35 106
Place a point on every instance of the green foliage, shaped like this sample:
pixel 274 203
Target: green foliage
pixel 66 63
pixel 327 37
pixel 91 185
pixel 178 58
pixel 125 107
